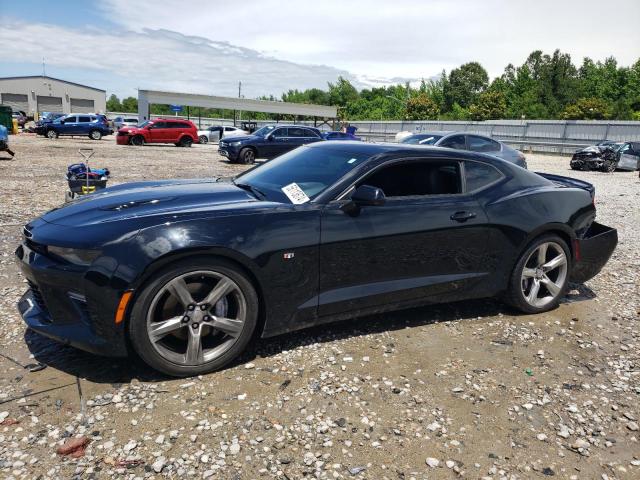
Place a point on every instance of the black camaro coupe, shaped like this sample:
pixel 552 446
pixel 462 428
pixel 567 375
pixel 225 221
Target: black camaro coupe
pixel 186 272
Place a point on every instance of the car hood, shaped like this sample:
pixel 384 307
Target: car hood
pixel 148 199
pixel 243 138
pixel 129 128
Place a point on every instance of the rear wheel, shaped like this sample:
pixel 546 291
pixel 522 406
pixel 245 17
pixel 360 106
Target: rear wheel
pixel 540 277
pixel 247 156
pixel 137 140
pixel 186 141
pixel 203 139
pixel 95 135
pixel 195 317
pixel 52 134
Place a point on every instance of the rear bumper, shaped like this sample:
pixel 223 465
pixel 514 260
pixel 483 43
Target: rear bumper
pixel 593 251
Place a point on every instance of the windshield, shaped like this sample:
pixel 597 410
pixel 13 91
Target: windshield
pixel 145 123
pixel 422 139
pixel 312 170
pixel 262 132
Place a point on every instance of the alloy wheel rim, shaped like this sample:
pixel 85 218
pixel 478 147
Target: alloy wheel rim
pixel 544 274
pixel 249 155
pixel 196 317
pixel 95 135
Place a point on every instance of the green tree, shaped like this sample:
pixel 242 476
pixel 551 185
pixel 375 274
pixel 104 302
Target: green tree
pixel 113 103
pixel 587 109
pixel 130 105
pixel 464 84
pixel 490 105
pixel 422 107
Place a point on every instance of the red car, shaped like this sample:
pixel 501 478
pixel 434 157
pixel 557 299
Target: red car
pixel 182 133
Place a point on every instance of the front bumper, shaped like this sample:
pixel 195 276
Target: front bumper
pixel 593 251
pixel 57 306
pixel 123 139
pixel 228 151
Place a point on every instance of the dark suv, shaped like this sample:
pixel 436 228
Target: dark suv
pixel 267 142
pixel 83 124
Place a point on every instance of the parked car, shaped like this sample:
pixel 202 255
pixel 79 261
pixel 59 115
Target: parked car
pixel 92 125
pixel 468 141
pixel 215 133
pixel 46 118
pixel 120 122
pixel 182 133
pixel 340 136
pixel 607 157
pixel 267 142
pixel 186 272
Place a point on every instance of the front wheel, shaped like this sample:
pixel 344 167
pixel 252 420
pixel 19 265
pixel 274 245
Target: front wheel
pixel 247 156
pixel 137 140
pixel 52 134
pixel 95 135
pixel 540 277
pixel 195 317
pixel 203 139
pixel 609 166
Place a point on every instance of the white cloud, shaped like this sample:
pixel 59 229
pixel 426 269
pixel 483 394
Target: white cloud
pixel 162 59
pixel 404 38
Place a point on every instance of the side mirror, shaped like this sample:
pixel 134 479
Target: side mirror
pixel 62 120
pixel 366 195
pixel 270 138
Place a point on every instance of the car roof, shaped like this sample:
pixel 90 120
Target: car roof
pixel 399 149
pixel 440 133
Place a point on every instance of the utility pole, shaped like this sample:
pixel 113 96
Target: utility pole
pixel 44 71
pixel 239 96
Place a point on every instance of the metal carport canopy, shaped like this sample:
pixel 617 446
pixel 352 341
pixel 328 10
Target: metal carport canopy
pixel 147 97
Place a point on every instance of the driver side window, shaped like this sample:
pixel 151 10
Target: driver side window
pixel 416 178
pixel 456 142
pixel 279 133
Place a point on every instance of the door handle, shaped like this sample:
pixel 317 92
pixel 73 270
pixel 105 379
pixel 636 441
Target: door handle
pixel 462 216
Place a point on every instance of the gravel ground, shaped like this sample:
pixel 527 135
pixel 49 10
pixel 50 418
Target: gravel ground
pixel 466 389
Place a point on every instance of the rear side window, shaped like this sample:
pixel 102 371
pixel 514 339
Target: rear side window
pixel 416 178
pixel 457 142
pixel 479 175
pixel 84 119
pixel 177 125
pixel 298 132
pixel 481 144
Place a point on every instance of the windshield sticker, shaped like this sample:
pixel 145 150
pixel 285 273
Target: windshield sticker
pixel 352 160
pixel 295 193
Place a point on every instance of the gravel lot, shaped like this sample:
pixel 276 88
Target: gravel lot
pixel 466 389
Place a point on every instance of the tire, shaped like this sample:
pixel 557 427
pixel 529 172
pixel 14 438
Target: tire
pixel 247 156
pixel 575 166
pixel 95 134
pixel 169 351
pixel 203 139
pixel 609 166
pixel 530 270
pixel 137 140
pixel 186 141
pixel 51 134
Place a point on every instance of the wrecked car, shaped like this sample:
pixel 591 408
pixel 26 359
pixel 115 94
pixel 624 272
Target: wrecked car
pixel 607 156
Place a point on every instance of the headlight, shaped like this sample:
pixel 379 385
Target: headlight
pixel 73 255
pixel 235 144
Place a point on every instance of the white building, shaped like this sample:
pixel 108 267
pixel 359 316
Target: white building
pixel 36 94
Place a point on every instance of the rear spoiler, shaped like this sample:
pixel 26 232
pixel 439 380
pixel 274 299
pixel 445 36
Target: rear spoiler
pixel 569 182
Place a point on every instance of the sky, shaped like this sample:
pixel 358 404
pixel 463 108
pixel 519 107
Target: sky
pixel 271 46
